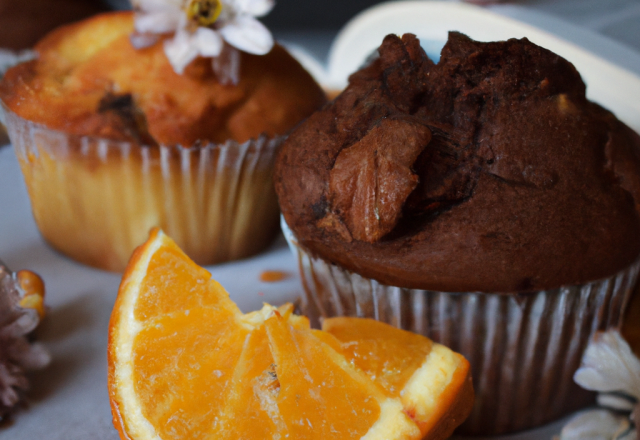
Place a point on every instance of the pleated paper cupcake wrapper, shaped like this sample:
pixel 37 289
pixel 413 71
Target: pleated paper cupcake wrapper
pixel 523 348
pixel 95 200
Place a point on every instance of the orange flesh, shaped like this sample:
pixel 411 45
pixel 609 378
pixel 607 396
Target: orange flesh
pixel 244 415
pixel 187 352
pixel 311 381
pixel 174 284
pixel 386 354
pixel 180 389
pixel 182 369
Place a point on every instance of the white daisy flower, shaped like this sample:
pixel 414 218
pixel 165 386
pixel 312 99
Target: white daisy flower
pixel 201 27
pixel 609 367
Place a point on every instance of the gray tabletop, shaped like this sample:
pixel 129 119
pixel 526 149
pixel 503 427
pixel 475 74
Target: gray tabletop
pixel 69 400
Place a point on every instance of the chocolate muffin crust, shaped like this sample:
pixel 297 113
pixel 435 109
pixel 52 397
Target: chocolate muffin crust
pixel 489 171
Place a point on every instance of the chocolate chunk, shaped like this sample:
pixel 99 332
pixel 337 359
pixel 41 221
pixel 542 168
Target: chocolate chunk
pixel 372 178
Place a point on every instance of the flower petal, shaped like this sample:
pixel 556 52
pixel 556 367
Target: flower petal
pixel 157 22
pixel 181 50
pixel 208 41
pixel 226 66
pixel 595 424
pixel 618 403
pixel 248 34
pixel 256 8
pixel 609 364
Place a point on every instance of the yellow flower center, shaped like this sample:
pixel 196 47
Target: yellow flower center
pixel 204 12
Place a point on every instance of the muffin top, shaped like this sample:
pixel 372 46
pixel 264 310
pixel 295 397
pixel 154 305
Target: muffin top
pixel 489 171
pixel 90 80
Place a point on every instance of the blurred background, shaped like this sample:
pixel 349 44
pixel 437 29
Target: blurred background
pixel 22 23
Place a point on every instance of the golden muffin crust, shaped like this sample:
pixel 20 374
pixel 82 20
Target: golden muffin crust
pixel 90 80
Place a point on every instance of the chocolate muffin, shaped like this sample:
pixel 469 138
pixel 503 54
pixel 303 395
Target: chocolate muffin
pixel 507 177
pixel 482 201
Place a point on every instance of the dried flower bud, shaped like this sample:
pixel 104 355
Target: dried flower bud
pixel 21 309
pixel 609 367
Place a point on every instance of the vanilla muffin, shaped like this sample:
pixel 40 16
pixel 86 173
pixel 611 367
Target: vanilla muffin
pixel 482 201
pixel 113 142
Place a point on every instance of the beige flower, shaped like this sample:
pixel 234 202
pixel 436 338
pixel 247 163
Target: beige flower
pixel 609 367
pixel 201 27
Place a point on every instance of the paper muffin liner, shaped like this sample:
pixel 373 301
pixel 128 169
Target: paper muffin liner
pixel 523 347
pixel 95 199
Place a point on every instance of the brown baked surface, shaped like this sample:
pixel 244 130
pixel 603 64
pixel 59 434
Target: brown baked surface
pixel 489 171
pixel 90 80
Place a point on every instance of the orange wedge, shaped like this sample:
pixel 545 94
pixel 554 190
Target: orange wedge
pixel 185 363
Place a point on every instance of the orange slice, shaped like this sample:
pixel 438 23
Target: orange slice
pixel 185 363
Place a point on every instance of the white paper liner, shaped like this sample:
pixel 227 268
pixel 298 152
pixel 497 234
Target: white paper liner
pixel 523 348
pixel 96 200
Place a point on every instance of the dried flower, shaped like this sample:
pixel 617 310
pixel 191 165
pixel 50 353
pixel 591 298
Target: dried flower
pixel 609 367
pixel 201 27
pixel 21 309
